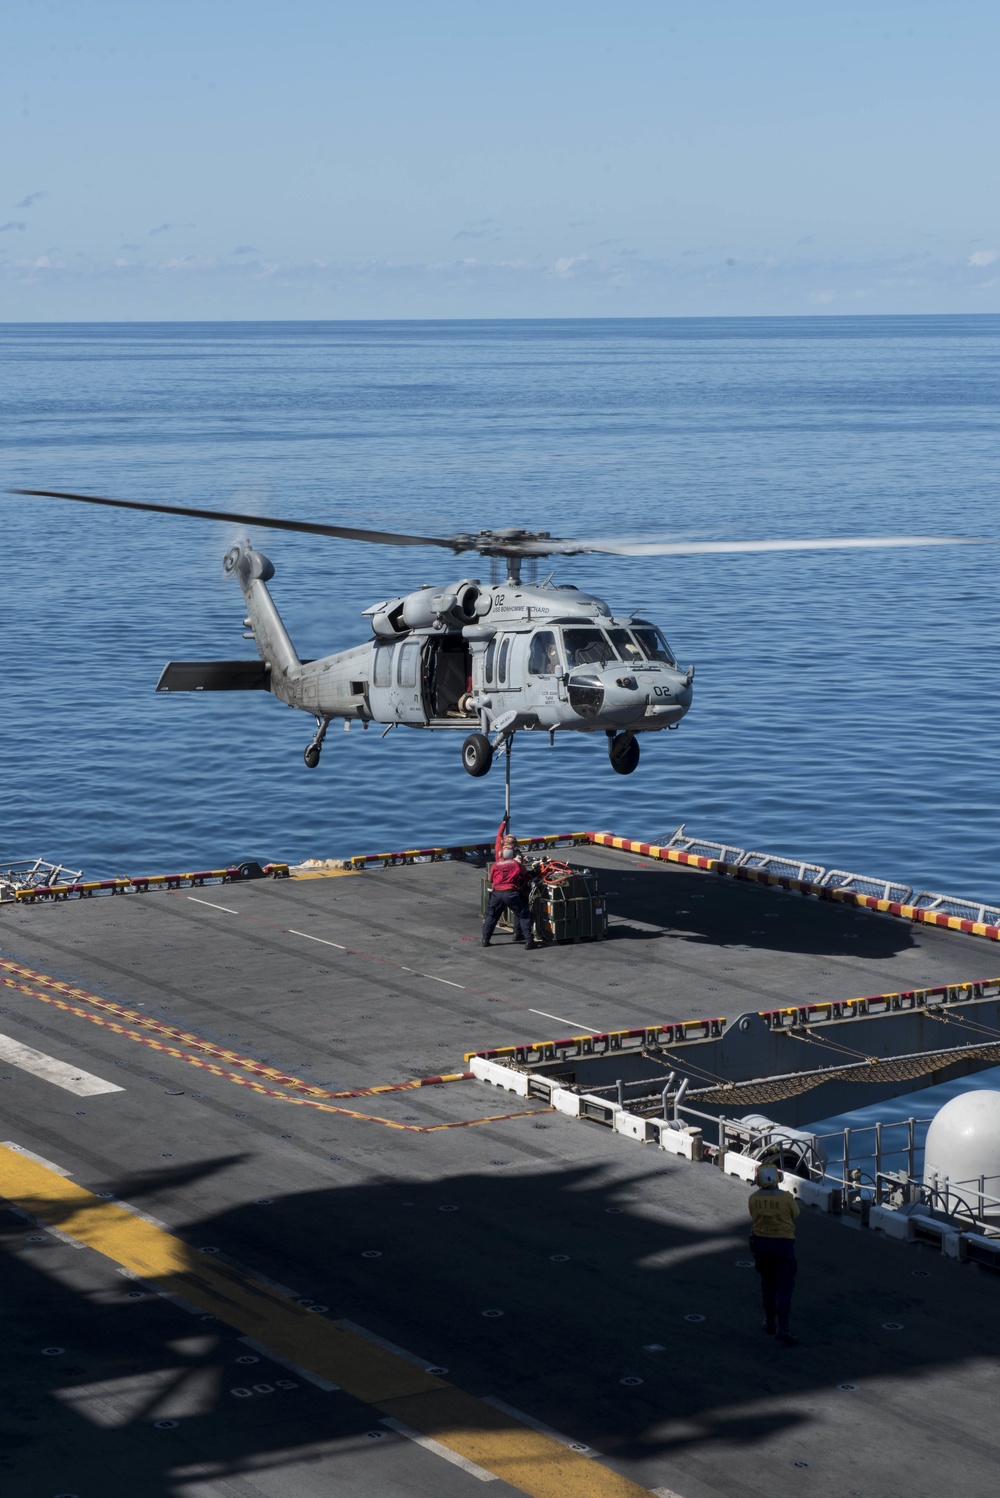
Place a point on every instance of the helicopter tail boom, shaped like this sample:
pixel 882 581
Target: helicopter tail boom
pixel 253 570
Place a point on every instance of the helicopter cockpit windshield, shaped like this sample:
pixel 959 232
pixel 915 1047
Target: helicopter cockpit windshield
pixel 653 644
pixel 597 647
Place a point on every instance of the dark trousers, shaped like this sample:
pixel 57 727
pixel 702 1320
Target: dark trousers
pixel 507 899
pixel 774 1259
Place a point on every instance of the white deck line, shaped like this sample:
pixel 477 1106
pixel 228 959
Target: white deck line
pixel 560 1020
pixel 296 1368
pixel 383 1342
pixel 212 905
pixel 59 1073
pixel 429 1444
pixel 543 1430
pixel 21 1149
pixel 321 939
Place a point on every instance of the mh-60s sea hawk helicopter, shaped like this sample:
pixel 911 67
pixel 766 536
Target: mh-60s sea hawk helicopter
pixel 488 659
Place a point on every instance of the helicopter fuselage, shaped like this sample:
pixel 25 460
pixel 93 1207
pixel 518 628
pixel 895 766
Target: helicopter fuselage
pixel 491 659
pixel 470 654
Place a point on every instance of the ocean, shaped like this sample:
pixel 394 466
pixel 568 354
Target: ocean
pixel 845 703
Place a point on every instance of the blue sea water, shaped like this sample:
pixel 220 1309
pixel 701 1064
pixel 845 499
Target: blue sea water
pixel 846 704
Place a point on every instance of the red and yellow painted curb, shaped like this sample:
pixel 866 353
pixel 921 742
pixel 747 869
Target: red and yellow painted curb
pixel 670 1033
pixel 462 850
pixel 143 883
pixel 800 886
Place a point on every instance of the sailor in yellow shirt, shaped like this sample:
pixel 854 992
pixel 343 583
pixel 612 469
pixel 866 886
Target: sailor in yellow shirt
pixel 772 1238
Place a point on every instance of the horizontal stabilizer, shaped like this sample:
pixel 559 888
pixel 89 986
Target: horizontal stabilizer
pixel 214 676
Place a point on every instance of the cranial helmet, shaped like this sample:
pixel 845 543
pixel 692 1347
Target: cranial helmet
pixel 767 1176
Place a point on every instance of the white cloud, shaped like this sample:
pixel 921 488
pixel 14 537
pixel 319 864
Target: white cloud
pixel 565 264
pixel 984 257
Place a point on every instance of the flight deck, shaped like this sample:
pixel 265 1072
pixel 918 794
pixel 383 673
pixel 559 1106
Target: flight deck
pixel 266 1236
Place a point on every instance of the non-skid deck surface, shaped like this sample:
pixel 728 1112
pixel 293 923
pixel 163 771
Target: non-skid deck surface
pixel 593 1249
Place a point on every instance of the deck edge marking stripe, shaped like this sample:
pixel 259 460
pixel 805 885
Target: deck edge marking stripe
pixel 22 1149
pixel 296 1368
pixel 525 1459
pixel 429 1444
pixel 546 1430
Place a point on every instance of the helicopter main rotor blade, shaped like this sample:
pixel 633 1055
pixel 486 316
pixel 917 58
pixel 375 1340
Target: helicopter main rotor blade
pixel 513 542
pixel 306 527
pixel 701 548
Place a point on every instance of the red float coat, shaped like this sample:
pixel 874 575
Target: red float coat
pixel 506 876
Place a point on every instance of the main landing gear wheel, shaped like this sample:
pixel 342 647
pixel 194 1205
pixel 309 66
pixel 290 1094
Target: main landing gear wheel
pixel 477 754
pixel 623 752
pixel 312 751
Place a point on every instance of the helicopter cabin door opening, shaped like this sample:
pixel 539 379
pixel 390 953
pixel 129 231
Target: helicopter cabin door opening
pixel 447 680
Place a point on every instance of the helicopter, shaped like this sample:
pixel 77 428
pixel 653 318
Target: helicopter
pixel 485 659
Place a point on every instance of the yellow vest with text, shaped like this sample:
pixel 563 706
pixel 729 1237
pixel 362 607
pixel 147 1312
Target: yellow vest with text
pixel 773 1214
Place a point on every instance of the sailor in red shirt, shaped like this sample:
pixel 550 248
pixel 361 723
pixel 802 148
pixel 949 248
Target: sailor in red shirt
pixel 506 882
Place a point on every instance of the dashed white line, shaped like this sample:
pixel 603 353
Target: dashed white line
pixel 59 1073
pixel 321 939
pixel 212 905
pixel 432 977
pixel 429 1444
pixel 589 1028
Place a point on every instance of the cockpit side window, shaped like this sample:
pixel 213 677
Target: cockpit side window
pixel 491 651
pixel 653 643
pixel 588 647
pixel 543 659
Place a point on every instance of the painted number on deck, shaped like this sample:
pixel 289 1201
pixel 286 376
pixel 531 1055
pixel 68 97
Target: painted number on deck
pixel 279 1383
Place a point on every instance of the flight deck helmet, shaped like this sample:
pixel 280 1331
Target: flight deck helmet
pixel 767 1177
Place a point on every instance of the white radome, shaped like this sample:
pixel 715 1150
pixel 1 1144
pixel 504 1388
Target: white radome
pixel 963 1144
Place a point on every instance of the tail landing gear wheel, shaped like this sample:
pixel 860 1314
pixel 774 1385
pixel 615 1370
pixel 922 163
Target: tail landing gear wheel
pixel 477 754
pixel 623 752
pixel 311 755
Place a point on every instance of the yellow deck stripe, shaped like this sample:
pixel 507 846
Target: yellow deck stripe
pixel 531 1462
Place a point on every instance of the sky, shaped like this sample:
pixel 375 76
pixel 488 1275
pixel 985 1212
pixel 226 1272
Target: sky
pixel 236 159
